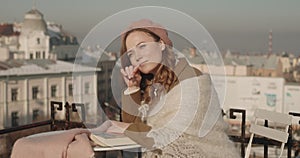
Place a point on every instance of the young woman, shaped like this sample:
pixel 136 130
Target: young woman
pixel 168 107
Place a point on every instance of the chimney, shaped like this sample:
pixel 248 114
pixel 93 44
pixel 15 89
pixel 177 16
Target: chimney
pixel 270 43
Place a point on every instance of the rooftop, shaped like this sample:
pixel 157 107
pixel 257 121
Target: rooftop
pixel 7 30
pixel 40 66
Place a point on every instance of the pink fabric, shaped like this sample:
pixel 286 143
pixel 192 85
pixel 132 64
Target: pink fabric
pixel 72 143
pixel 151 26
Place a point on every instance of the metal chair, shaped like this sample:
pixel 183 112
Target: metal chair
pixel 278 135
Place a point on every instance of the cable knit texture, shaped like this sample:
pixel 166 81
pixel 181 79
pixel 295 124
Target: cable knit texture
pixel 189 127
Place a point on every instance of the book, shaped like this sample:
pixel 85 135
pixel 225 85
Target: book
pixel 106 139
pixel 134 147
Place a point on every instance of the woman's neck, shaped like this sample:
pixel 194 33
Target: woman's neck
pixel 156 69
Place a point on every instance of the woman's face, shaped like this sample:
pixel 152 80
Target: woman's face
pixel 142 50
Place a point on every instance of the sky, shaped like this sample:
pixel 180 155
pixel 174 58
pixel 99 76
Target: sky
pixel 241 26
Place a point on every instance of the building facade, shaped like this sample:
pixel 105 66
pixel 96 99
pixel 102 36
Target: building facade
pixel 34 38
pixel 26 90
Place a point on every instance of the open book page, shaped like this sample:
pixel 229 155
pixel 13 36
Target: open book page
pixel 110 139
pixel 133 147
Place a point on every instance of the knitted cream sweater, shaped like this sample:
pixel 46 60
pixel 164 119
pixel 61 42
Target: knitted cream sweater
pixel 187 122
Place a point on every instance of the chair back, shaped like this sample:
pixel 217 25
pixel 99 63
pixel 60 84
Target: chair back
pixel 268 132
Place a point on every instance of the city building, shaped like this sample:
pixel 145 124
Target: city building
pixel 34 38
pixel 28 86
pixel 296 73
pixel 32 75
pixel 230 67
pixel 236 64
pixel 252 81
pixel 106 61
pixel 8 41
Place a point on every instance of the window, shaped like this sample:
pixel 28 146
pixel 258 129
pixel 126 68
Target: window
pixel 87 107
pixel 38 54
pixel 38 41
pixel 14 94
pixel 31 56
pixel 35 115
pixel 86 88
pixel 14 119
pixel 53 91
pixel 101 82
pixel 35 92
pixel 11 55
pixel 70 88
pixel 44 55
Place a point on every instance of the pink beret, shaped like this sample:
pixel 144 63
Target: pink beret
pixel 155 28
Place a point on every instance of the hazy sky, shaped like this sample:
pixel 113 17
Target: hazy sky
pixel 234 24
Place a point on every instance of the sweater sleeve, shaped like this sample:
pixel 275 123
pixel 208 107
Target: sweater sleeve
pixel 130 105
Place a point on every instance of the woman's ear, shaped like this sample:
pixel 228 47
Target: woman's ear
pixel 162 45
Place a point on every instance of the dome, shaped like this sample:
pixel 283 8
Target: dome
pixel 33 21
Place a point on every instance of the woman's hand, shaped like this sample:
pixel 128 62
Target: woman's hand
pixel 131 76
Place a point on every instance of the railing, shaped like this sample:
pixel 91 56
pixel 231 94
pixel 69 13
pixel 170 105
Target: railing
pixel 290 140
pixel 23 127
pixel 67 124
pixel 258 140
pixel 53 122
pixel 242 138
